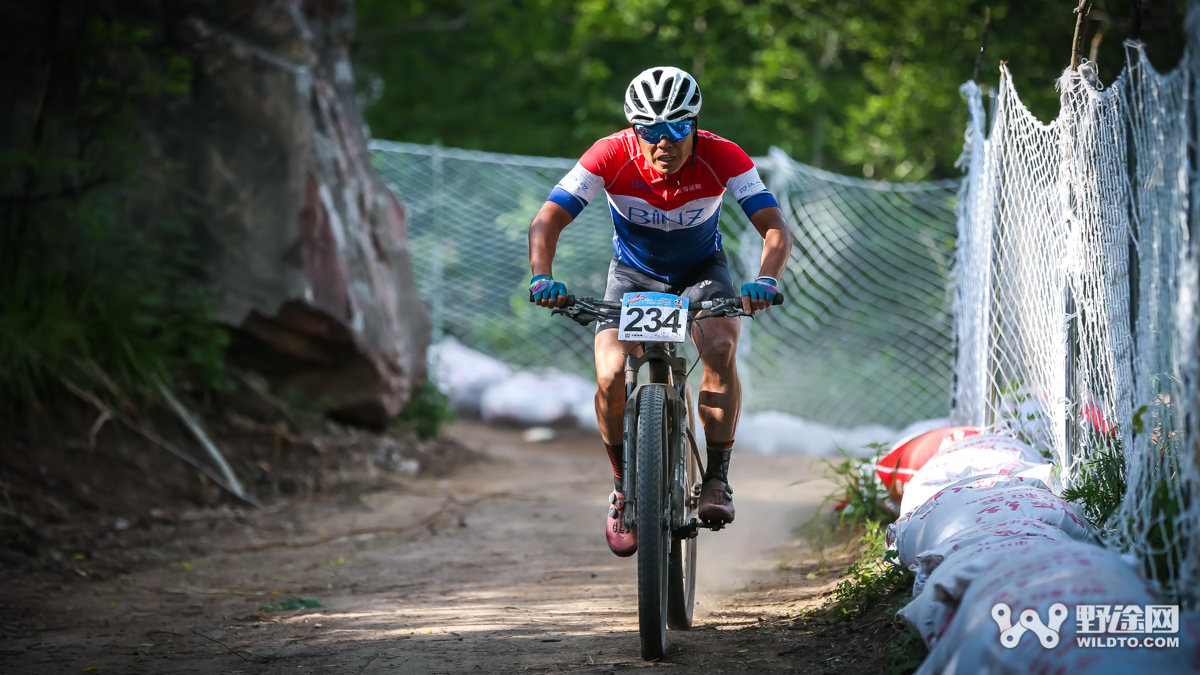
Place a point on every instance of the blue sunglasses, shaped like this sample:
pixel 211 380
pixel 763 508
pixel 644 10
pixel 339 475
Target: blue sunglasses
pixel 676 131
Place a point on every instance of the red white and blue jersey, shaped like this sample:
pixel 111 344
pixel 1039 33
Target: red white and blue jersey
pixel 664 225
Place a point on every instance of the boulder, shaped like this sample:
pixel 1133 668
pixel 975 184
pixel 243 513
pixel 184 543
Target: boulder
pixel 306 246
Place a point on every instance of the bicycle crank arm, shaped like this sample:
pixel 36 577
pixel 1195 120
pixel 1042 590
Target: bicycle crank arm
pixel 691 528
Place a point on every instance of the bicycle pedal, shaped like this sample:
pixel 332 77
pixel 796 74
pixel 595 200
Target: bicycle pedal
pixel 689 530
pixel 713 525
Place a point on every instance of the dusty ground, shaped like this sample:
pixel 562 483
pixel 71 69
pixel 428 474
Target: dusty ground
pixel 500 568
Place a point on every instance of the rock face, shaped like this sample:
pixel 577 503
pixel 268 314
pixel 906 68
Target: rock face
pixel 304 246
pixel 307 247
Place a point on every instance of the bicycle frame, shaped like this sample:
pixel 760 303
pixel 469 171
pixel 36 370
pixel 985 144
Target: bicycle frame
pixel 668 371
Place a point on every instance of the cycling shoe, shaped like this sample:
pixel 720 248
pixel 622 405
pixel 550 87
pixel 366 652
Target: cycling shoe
pixel 621 540
pixel 716 501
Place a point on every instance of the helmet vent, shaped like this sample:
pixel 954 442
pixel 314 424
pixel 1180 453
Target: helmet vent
pixel 631 100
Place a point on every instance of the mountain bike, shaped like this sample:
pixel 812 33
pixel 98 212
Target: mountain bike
pixel 663 465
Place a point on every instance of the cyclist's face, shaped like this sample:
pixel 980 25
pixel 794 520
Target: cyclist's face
pixel 667 156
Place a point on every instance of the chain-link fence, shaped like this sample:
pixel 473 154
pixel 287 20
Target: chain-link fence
pixel 866 334
pixel 1076 297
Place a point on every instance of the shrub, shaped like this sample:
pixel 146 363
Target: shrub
pixel 427 412
pixel 860 497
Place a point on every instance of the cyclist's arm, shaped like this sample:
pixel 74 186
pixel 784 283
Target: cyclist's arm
pixel 777 245
pixel 547 225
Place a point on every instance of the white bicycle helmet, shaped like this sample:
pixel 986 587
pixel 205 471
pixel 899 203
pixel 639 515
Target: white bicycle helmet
pixel 663 94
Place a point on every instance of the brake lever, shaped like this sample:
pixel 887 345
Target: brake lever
pixel 577 314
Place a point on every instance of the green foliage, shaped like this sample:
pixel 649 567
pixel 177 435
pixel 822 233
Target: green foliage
pixel 95 262
pixel 869 579
pixel 859 86
pixel 1166 505
pixel 906 652
pixel 860 497
pixel 427 412
pixel 1100 486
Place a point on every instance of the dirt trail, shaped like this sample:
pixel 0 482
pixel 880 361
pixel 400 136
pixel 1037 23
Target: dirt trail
pixel 503 568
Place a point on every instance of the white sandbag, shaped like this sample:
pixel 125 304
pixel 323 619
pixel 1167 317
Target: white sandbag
pixel 999 443
pixel 1046 473
pixel 462 374
pixel 991 533
pixel 778 433
pixel 979 500
pixel 1051 581
pixel 542 397
pixel 977 455
pixel 931 611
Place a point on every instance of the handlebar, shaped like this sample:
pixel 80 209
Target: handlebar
pixel 586 310
pixel 706 304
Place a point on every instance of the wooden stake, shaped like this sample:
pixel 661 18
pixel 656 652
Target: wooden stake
pixel 156 439
pixel 987 21
pixel 207 443
pixel 1081 26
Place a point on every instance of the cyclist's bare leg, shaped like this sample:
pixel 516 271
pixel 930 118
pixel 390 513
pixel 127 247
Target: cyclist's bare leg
pixel 720 394
pixel 610 409
pixel 719 406
pixel 610 375
pixel 720 400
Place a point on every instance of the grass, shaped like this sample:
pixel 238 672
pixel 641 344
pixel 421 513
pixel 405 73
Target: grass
pixel 907 652
pixel 863 504
pixel 870 578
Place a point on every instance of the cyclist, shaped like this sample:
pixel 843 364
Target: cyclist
pixel 664 178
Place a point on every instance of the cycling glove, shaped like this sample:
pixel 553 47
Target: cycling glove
pixel 762 288
pixel 542 287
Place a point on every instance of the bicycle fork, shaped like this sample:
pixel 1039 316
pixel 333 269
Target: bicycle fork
pixel 667 371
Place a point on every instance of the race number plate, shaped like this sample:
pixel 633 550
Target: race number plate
pixel 653 317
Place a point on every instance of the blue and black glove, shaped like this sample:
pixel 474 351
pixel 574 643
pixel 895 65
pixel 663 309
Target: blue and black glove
pixel 762 288
pixel 542 287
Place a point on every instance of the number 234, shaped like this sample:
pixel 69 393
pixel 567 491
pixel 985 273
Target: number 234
pixel 655 323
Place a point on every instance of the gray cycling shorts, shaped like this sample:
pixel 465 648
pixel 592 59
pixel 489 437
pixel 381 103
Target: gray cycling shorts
pixel 709 280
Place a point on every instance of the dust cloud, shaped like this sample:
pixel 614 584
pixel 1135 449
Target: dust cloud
pixel 770 528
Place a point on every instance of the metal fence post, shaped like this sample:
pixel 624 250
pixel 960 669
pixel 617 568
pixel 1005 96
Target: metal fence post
pixel 437 266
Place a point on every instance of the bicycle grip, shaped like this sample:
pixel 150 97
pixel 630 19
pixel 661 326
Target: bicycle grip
pixel 778 299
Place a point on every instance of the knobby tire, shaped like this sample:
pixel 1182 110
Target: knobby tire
pixel 654 534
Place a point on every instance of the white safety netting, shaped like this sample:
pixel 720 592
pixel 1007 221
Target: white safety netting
pixel 866 335
pixel 1075 296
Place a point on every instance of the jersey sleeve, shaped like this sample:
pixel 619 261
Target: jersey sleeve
pixel 587 178
pixel 742 180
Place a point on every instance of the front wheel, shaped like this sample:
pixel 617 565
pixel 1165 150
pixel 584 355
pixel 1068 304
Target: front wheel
pixel 653 521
